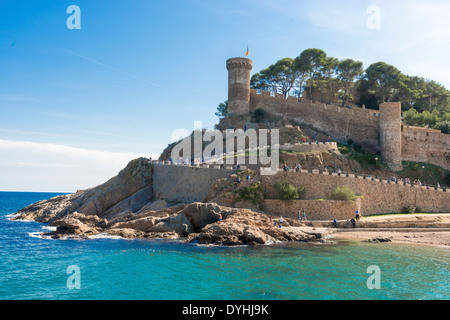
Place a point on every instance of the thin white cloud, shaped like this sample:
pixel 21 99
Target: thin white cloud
pixel 32 166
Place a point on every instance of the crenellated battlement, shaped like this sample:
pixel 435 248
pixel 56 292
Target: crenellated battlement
pixel 292 101
pixel 373 127
pixel 378 195
pixel 232 169
pixel 341 123
pixel 426 145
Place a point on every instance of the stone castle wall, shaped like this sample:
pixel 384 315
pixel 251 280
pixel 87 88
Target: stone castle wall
pixel 359 124
pixel 378 196
pixel 341 123
pixel 407 144
pixel 426 145
pixel 314 209
pixel 310 147
pixel 187 184
pixel 184 183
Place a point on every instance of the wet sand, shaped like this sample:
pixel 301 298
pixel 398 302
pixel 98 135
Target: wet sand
pixel 427 237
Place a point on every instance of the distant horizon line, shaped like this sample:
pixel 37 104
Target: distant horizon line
pixel 15 191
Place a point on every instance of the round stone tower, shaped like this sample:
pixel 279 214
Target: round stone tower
pixel 391 134
pixel 239 85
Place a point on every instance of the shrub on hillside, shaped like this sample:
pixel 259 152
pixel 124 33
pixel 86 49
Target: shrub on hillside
pixel 408 209
pixel 287 191
pixel 343 193
pixel 344 150
pixel 252 193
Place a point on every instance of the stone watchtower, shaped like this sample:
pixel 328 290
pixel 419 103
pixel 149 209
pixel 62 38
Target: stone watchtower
pixel 239 85
pixel 391 134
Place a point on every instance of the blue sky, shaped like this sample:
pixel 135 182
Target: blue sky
pixel 77 105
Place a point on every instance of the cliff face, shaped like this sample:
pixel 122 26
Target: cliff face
pixel 125 193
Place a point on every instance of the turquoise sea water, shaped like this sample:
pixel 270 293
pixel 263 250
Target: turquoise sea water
pixel 35 268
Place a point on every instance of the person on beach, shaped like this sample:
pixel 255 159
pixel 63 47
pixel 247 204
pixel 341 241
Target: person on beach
pixel 304 215
pixel 357 215
pixel 281 221
pixel 353 223
pixel 335 222
pixel 347 225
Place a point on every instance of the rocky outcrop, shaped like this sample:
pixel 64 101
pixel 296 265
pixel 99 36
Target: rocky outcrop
pixel 125 193
pixel 244 226
pixel 125 206
pixel 203 223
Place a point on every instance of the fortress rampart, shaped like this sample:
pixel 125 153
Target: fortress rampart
pixel 184 183
pixel 426 145
pixel 383 127
pixel 310 146
pixel 379 196
pixel 342 123
pixel 191 183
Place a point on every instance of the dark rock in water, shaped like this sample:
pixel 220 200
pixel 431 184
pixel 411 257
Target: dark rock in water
pixel 380 239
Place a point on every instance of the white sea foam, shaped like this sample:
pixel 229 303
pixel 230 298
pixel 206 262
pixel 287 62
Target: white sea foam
pixel 13 215
pixel 105 236
pixel 39 235
pixel 49 228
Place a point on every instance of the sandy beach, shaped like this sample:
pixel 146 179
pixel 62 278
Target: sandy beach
pixel 421 229
pixel 428 237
